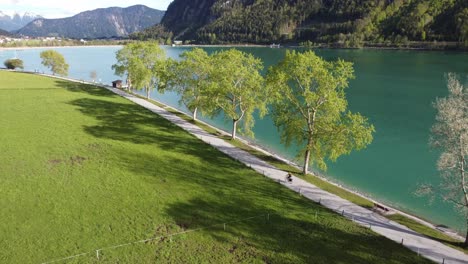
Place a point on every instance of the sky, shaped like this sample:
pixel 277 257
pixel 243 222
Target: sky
pixel 66 8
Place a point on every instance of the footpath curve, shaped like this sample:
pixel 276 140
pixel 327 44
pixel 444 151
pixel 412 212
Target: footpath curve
pixel 424 246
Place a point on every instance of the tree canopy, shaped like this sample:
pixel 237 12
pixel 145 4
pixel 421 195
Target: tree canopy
pixel 310 108
pixel 145 65
pixel 55 61
pixel 238 88
pixel 191 78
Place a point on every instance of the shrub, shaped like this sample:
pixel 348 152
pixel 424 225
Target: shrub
pixel 13 64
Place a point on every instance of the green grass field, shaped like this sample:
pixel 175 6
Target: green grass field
pixel 83 169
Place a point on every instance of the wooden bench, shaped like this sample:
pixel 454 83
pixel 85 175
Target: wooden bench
pixel 381 207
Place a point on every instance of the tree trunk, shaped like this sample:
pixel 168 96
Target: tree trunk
pixel 234 128
pixel 147 93
pixel 129 83
pixel 195 114
pixel 305 169
pixel 465 244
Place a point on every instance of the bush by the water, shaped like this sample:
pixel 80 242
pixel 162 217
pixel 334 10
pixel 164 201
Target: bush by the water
pixel 13 64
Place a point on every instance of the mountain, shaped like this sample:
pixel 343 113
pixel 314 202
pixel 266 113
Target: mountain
pixel 350 22
pixel 4 33
pixel 17 21
pixel 99 23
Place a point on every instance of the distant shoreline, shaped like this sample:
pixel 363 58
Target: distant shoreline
pixel 113 45
pixel 55 47
pixel 240 45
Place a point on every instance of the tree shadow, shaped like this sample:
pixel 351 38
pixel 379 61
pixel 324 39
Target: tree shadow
pixel 220 193
pixel 283 237
pixel 129 122
pixel 208 170
pixel 232 195
pixel 76 87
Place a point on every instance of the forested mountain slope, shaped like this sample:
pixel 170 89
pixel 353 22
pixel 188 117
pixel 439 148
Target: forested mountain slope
pixel 329 21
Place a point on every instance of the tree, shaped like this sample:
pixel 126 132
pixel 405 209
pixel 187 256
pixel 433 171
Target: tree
pixel 13 64
pixel 191 79
pixel 310 108
pixel 462 25
pixel 55 61
pixel 450 136
pixel 237 88
pixel 145 65
pixel 93 75
pixel 123 57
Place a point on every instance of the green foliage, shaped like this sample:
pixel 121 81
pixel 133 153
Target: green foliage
pixel 14 64
pixel 462 25
pixel 308 44
pixel 350 23
pixel 237 88
pixel 310 108
pixel 106 171
pixel 144 63
pixel 191 79
pixel 156 32
pixel 55 61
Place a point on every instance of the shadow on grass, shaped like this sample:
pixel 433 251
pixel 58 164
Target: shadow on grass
pixel 231 190
pixel 131 123
pixel 209 171
pixel 224 194
pixel 284 238
pixel 84 88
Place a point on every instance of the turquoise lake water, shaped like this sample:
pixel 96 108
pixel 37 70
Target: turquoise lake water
pixel 394 89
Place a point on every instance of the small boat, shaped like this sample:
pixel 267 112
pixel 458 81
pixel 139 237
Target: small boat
pixel 277 46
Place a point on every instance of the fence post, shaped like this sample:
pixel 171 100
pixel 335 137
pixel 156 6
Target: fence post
pixel 342 212
pixel 401 241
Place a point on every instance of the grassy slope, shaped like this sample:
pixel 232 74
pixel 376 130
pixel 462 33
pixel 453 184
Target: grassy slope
pixel 324 185
pixel 82 169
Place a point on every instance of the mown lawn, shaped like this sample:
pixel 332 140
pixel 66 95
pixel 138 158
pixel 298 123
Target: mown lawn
pixel 83 169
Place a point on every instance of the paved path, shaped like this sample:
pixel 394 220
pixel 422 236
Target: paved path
pixel 428 248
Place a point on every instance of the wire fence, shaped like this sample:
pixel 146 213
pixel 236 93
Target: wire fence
pixel 97 252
